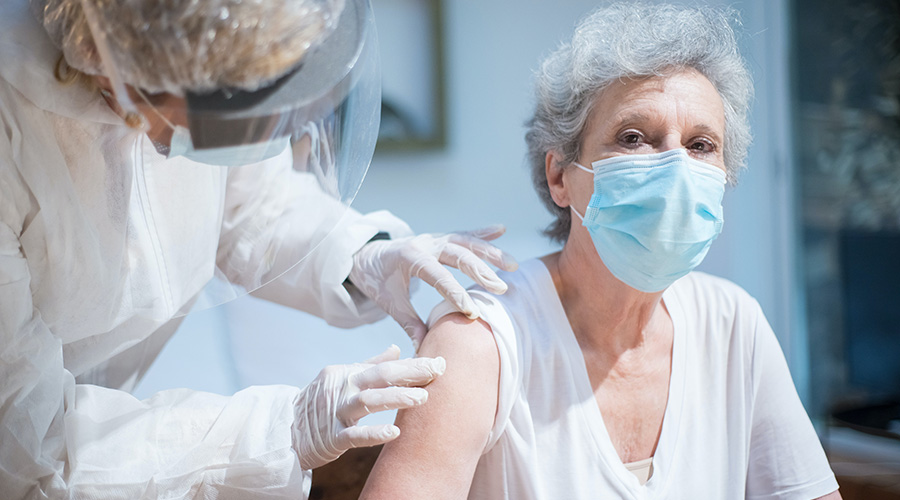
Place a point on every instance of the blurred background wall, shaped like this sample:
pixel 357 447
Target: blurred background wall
pixel 475 176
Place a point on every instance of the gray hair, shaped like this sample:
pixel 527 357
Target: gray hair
pixel 628 40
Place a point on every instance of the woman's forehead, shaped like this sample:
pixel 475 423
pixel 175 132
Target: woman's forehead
pixel 685 97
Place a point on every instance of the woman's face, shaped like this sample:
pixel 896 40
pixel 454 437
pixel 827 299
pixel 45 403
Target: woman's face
pixel 650 115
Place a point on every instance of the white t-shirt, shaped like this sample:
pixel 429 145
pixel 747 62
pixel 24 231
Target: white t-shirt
pixel 733 427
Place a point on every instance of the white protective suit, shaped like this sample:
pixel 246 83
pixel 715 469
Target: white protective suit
pixel 98 251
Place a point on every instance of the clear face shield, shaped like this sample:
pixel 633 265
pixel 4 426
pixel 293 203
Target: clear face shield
pixel 304 142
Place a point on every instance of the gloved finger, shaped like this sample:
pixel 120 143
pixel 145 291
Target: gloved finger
pixel 416 331
pixel 487 233
pixel 405 315
pixel 366 435
pixel 410 372
pixel 463 259
pixel 432 272
pixel 390 354
pixel 486 251
pixel 375 400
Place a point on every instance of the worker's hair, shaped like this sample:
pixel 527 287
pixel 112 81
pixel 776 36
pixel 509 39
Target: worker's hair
pixel 629 41
pixel 180 46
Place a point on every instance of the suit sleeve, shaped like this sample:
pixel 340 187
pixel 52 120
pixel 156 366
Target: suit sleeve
pixel 59 439
pixel 280 224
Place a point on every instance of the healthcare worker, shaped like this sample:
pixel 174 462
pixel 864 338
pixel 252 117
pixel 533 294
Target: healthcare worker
pixel 161 156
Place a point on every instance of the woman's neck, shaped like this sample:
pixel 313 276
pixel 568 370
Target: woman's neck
pixel 605 313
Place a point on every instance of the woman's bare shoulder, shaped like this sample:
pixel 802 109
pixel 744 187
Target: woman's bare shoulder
pixel 454 333
pixel 441 441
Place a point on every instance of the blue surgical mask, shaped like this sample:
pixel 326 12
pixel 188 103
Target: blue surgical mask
pixel 232 156
pixel 653 217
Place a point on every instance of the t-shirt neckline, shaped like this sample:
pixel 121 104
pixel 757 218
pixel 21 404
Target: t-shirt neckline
pixel 663 457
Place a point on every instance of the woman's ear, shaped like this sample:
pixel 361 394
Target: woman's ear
pixel 554 169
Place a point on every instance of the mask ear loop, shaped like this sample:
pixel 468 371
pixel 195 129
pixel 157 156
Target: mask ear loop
pixel 133 117
pixel 582 167
pixel 580 217
pixel 162 117
pixel 576 213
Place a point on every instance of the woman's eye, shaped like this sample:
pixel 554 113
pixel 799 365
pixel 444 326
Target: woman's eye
pixel 631 138
pixel 702 146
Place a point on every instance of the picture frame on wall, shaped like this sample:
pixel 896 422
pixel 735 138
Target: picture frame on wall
pixel 410 38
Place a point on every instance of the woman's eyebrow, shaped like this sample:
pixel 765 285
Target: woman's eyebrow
pixel 629 118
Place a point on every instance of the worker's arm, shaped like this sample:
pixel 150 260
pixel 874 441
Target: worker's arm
pixel 59 439
pixel 276 217
pixel 279 223
pixel 441 441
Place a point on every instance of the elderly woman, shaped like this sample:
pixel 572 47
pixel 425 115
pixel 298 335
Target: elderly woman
pixel 609 370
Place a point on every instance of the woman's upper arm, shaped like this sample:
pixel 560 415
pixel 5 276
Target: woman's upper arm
pixel 786 457
pixel 441 441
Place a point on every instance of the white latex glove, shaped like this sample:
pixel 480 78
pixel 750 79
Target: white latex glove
pixel 382 270
pixel 330 407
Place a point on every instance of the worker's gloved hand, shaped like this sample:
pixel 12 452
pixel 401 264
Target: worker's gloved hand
pixel 382 270
pixel 329 407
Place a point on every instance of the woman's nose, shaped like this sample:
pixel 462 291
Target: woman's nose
pixel 669 142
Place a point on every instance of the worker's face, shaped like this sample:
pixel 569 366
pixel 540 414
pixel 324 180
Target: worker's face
pixel 153 107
